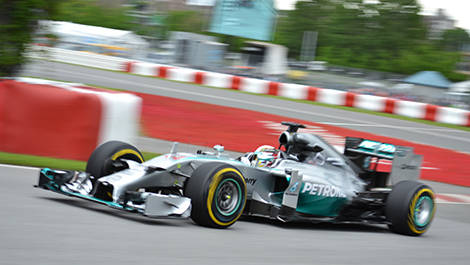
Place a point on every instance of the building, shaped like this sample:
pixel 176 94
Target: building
pixel 171 5
pixel 463 66
pixel 107 41
pixel 438 23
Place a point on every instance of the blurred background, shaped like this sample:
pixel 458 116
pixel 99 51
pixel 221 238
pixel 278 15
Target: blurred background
pixel 408 49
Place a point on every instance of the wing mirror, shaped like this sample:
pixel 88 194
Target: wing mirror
pixel 219 148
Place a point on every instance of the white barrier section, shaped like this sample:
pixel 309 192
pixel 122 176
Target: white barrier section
pixel 38 81
pixel 120 117
pixel 181 74
pixel 369 102
pixel 142 68
pixel 294 91
pixel 253 85
pixel 410 109
pixel 331 96
pixel 452 116
pixel 217 80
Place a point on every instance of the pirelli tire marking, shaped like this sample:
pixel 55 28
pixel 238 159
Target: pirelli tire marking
pixel 124 152
pixel 216 181
pixel 413 213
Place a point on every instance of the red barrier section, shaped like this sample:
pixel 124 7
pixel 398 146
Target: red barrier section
pixel 431 111
pixel 243 130
pixel 273 88
pixel 236 82
pixel 3 109
pixel 389 105
pixel 199 78
pixel 312 93
pixel 163 71
pixel 128 67
pixel 48 121
pixel 349 101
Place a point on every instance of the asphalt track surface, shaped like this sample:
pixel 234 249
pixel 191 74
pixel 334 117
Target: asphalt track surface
pixel 40 227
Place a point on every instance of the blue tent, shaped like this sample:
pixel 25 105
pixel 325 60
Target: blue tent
pixel 428 78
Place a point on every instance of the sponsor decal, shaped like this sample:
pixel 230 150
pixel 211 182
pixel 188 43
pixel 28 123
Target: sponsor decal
pixel 294 187
pixel 292 190
pixel 322 190
pixel 250 181
pixel 381 147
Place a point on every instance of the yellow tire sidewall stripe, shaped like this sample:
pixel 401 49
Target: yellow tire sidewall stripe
pixel 125 152
pixel 212 188
pixel 411 212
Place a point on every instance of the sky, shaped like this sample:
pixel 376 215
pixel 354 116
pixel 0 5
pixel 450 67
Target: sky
pixel 458 10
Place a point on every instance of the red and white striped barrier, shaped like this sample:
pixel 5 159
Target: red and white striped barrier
pixel 448 198
pixel 295 91
pixel 64 120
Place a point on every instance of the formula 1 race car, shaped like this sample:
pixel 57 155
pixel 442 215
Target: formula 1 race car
pixel 305 179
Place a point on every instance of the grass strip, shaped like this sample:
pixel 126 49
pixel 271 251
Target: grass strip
pixel 50 162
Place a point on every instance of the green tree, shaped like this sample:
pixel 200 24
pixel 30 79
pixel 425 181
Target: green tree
pixel 386 35
pixel 314 15
pixel 18 19
pixel 94 13
pixel 455 39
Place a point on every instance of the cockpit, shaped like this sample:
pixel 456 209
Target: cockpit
pixel 299 147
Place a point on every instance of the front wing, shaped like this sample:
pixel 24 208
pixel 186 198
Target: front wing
pixel 80 185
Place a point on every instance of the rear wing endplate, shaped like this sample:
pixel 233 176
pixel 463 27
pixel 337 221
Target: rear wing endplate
pixel 406 165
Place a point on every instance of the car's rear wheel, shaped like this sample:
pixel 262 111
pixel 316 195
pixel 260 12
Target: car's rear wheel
pixel 410 208
pixel 218 194
pixel 105 159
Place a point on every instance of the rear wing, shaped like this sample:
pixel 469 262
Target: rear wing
pixel 406 165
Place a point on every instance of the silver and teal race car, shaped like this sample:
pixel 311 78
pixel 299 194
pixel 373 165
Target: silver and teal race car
pixel 304 179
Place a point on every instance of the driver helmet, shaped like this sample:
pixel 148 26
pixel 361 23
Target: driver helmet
pixel 265 155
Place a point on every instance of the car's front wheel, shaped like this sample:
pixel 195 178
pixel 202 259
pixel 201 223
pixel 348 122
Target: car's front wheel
pixel 218 194
pixel 410 208
pixel 104 160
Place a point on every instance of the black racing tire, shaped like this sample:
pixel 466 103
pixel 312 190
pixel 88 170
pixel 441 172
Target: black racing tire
pixel 410 208
pixel 218 194
pixel 101 160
